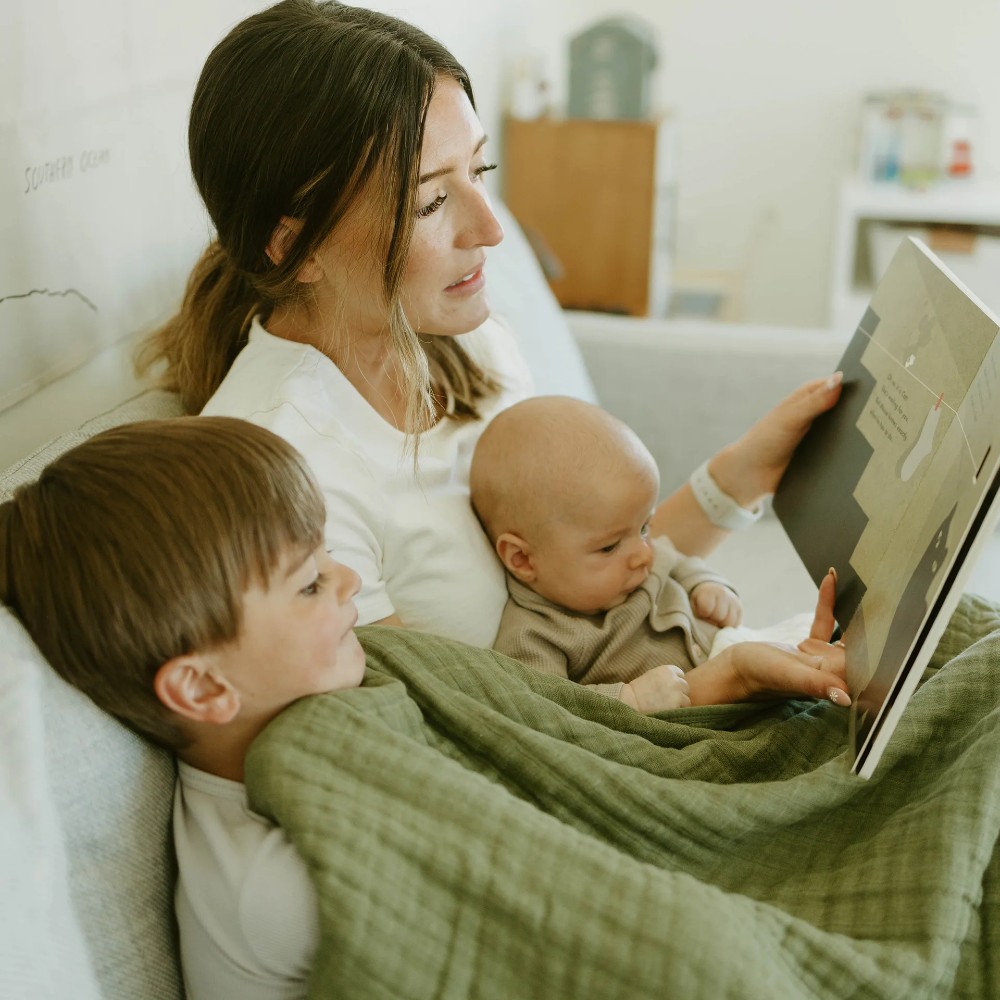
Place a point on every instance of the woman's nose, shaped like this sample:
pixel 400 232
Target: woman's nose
pixel 482 228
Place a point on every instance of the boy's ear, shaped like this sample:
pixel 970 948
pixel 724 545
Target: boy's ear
pixel 281 242
pixel 189 686
pixel 515 554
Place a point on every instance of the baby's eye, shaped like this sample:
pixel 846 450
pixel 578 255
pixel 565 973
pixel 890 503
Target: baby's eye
pixel 609 548
pixel 644 530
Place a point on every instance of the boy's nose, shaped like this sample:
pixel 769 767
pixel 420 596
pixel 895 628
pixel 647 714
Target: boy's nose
pixel 350 583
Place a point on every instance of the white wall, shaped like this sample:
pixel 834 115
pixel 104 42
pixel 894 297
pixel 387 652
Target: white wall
pixel 767 94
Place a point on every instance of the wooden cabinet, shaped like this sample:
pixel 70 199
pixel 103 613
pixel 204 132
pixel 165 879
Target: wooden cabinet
pixel 598 196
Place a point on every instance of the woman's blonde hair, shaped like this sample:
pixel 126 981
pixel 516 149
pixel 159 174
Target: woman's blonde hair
pixel 297 111
pixel 139 544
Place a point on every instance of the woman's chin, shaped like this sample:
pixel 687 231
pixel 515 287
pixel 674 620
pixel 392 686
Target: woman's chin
pixel 454 323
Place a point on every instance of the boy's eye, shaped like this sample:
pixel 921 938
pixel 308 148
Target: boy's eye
pixel 315 587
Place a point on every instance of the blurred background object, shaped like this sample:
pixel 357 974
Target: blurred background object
pixel 611 66
pixel 915 137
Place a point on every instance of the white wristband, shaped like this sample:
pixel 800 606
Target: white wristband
pixel 720 508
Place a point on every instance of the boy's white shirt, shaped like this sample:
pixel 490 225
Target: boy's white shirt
pixel 246 907
pixel 413 539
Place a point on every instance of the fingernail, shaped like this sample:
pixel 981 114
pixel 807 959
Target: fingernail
pixel 834 572
pixel 838 697
pixel 834 380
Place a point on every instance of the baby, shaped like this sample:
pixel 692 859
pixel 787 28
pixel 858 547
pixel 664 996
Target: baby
pixel 565 492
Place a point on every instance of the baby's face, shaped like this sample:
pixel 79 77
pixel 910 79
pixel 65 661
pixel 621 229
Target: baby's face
pixel 591 561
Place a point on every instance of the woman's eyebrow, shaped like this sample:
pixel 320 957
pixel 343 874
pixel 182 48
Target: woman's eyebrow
pixel 448 168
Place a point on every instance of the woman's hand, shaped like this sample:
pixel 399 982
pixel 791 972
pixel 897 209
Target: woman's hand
pixel 749 671
pixel 748 469
pixel 751 468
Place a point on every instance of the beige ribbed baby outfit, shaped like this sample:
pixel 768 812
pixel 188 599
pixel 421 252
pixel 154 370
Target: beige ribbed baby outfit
pixel 655 625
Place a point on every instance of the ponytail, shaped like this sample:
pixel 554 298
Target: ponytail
pixel 198 345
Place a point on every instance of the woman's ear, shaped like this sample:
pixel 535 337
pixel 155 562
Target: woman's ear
pixel 515 554
pixel 281 241
pixel 189 686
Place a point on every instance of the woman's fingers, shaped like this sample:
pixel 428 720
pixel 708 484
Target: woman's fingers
pixel 752 467
pixel 824 622
pixel 767 669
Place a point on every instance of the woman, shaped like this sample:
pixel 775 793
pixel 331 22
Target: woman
pixel 343 306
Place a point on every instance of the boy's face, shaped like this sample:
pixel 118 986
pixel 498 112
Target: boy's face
pixel 590 562
pixel 297 637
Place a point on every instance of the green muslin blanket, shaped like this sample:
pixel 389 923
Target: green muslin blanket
pixel 478 830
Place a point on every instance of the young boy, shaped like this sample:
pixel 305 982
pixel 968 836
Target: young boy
pixel 565 492
pixel 174 571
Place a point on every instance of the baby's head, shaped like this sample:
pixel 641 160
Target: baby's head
pixel 173 567
pixel 565 492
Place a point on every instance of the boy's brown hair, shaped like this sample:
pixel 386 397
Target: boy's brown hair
pixel 138 545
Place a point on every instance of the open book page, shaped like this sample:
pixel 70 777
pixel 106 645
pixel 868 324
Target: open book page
pixel 887 487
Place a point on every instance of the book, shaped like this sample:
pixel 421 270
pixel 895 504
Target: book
pixel 897 486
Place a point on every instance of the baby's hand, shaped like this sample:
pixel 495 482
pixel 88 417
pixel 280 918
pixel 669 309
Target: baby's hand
pixel 657 690
pixel 716 604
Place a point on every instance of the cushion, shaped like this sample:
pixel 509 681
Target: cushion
pixel 522 299
pixel 112 795
pixel 36 918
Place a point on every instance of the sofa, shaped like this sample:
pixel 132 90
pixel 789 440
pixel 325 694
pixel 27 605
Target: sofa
pixel 85 852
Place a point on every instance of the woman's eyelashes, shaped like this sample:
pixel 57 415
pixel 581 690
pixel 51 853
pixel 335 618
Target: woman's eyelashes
pixel 432 206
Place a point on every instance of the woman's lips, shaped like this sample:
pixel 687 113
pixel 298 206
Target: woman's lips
pixel 470 282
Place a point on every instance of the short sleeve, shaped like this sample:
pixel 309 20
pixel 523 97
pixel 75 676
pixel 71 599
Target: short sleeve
pixel 355 507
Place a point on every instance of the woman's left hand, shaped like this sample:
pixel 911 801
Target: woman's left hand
pixel 751 467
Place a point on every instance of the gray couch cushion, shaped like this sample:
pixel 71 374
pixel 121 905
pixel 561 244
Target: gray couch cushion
pixel 112 792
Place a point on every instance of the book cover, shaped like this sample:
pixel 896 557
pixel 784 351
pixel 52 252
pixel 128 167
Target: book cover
pixel 896 487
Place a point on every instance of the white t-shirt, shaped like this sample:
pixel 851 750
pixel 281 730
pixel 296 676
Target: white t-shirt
pixel 412 538
pixel 246 908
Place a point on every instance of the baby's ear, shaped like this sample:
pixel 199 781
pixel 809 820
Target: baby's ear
pixel 190 687
pixel 515 554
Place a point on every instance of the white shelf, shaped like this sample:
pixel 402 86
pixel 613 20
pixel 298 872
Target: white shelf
pixel 957 202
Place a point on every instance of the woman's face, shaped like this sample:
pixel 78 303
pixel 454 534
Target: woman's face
pixel 444 287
